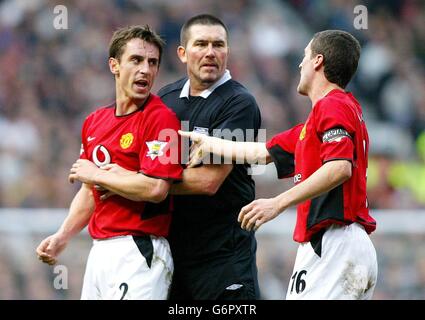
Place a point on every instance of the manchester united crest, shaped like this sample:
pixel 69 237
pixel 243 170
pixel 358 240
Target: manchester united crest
pixel 126 140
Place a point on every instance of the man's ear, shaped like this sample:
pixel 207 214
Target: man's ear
pixel 114 66
pixel 181 53
pixel 318 61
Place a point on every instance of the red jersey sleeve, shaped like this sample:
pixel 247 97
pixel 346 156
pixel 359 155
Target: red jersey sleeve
pixel 335 127
pixel 83 150
pixel 160 152
pixel 282 149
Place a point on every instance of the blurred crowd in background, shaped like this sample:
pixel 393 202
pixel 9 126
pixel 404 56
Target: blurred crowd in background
pixel 51 79
pixel 401 260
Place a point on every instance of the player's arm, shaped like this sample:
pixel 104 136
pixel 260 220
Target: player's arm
pixel 247 152
pixel 240 113
pixel 206 179
pixel 138 187
pixel 327 177
pixel 80 211
pixel 128 184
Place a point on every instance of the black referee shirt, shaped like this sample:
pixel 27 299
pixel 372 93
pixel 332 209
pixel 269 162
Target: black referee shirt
pixel 206 227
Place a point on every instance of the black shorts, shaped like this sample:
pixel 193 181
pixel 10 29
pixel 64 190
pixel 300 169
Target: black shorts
pixel 217 279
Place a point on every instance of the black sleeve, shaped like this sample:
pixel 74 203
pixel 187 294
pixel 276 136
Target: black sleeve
pixel 282 150
pixel 283 160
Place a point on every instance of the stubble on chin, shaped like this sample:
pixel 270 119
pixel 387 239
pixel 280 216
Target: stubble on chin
pixel 208 80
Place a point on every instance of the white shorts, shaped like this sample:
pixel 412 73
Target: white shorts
pixel 347 268
pixel 117 270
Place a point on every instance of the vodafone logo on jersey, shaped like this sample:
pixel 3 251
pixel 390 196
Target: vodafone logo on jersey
pixel 297 178
pixel 101 156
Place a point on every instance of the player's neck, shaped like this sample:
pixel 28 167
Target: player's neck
pixel 125 106
pixel 320 90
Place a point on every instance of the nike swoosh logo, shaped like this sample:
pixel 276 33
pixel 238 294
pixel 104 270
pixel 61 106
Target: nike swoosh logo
pixel 91 138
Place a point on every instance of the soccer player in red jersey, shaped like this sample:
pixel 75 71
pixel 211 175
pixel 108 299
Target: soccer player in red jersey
pixel 327 156
pixel 130 257
pixel 213 258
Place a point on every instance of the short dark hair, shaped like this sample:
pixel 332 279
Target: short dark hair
pixel 202 19
pixel 341 54
pixel 123 35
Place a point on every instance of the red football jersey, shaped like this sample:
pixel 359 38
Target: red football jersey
pixel 334 130
pixel 145 141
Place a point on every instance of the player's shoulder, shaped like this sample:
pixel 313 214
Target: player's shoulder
pixel 338 104
pixel 174 87
pixel 102 110
pixel 337 97
pixel 158 109
pixel 336 100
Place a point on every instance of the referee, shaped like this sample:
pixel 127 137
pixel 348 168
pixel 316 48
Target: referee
pixel 213 257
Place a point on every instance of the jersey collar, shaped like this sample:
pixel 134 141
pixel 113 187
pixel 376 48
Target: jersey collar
pixel 205 94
